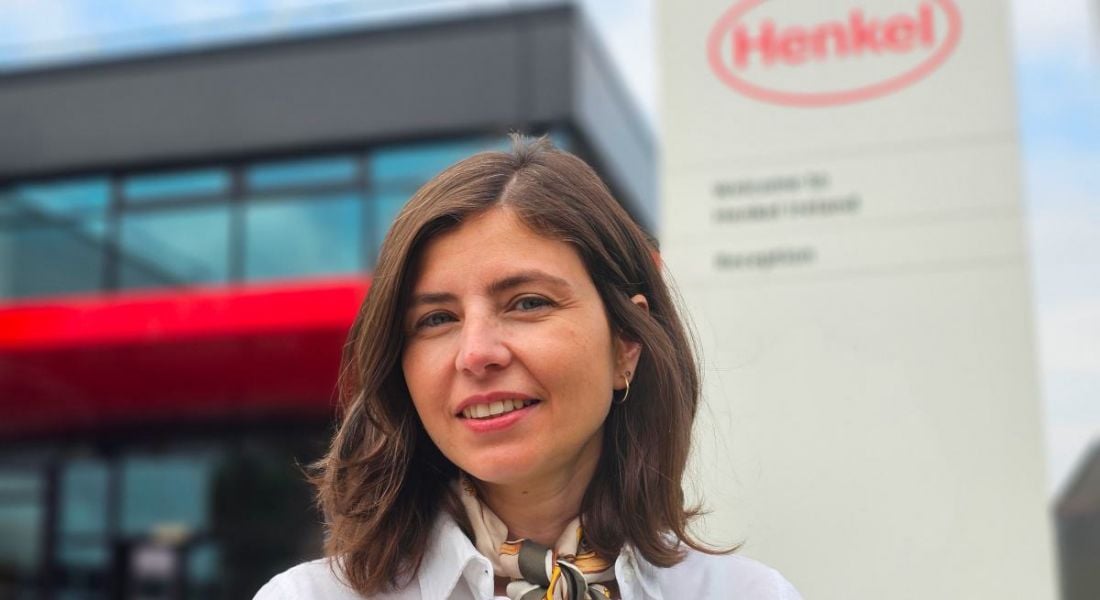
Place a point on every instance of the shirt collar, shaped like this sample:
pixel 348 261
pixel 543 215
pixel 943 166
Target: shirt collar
pixel 452 558
pixel 637 577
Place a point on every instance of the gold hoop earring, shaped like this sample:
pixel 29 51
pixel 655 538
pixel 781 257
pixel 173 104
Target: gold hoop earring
pixel 627 392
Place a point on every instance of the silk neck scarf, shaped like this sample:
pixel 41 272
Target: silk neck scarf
pixel 568 571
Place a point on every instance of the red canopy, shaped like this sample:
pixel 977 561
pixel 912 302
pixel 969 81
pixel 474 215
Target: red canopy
pixel 239 351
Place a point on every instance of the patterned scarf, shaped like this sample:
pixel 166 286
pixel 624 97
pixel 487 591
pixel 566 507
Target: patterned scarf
pixel 569 571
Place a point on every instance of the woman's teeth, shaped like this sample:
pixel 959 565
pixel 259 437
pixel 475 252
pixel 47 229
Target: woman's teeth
pixel 493 409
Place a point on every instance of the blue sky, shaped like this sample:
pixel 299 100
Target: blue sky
pixel 1058 82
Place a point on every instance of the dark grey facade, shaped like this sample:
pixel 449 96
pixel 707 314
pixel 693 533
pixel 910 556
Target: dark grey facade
pixel 486 73
pixel 1078 514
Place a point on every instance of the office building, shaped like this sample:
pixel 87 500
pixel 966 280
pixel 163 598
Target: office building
pixel 184 240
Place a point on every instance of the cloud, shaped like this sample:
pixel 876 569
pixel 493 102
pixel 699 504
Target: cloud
pixel 27 20
pixel 1070 338
pixel 203 10
pixel 1067 445
pixel 1072 420
pixel 31 29
pixel 1060 29
pixel 1063 188
pixel 48 30
pixel 1063 198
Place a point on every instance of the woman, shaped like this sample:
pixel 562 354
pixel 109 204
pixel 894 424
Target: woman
pixel 518 400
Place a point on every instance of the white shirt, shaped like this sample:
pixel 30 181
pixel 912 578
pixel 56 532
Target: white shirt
pixel 454 570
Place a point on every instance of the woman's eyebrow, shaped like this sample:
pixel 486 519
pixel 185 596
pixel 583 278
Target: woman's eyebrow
pixel 499 286
pixel 525 277
pixel 431 298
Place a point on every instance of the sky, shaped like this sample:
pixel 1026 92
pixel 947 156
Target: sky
pixel 1058 86
pixel 1057 53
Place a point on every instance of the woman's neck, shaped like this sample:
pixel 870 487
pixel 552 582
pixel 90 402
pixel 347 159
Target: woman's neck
pixel 540 509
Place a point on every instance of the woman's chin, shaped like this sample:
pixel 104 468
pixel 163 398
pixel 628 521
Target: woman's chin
pixel 503 470
pixel 526 462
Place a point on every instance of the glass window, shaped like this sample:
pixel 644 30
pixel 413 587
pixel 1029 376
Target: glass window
pixel 84 489
pixel 56 236
pixel 303 172
pixel 202 564
pixel 83 507
pixel 20 536
pixel 416 163
pixel 52 237
pixel 304 236
pixel 384 208
pixel 9 206
pixel 176 184
pixel 562 139
pixel 74 197
pixel 51 258
pixel 175 247
pixel 165 492
pixel 83 553
pixel 20 521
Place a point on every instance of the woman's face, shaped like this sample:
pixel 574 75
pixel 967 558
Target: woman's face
pixel 509 357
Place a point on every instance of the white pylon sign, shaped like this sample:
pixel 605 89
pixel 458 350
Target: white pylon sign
pixel 840 209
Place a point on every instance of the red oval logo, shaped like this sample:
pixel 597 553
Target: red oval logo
pixel 763 59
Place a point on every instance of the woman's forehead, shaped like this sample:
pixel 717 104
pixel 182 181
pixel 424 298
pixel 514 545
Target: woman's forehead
pixel 492 249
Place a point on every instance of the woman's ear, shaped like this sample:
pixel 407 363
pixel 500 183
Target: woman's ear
pixel 628 351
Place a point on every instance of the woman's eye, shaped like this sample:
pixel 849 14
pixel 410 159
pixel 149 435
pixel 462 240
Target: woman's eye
pixel 434 320
pixel 531 303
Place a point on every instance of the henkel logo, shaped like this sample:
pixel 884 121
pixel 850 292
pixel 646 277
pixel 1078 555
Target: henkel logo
pixel 856 56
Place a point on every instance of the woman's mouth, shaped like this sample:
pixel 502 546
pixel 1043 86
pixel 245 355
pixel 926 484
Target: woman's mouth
pixel 496 411
pixel 490 410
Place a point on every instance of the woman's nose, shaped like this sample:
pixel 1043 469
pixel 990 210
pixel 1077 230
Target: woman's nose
pixel 481 347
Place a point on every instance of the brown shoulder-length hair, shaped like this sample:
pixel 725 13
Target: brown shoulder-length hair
pixel 383 481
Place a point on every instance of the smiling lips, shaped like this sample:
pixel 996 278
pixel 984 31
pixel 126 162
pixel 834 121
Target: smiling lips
pixel 496 408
